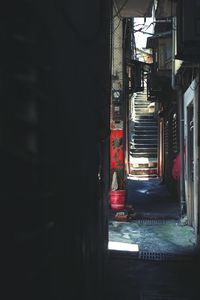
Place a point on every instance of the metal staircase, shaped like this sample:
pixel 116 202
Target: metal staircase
pixel 143 138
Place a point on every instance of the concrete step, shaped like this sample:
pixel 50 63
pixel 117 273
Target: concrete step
pixel 144 171
pixel 141 137
pixel 141 96
pixel 134 145
pixel 139 117
pixel 144 165
pixel 151 124
pixel 143 176
pixel 142 121
pixel 144 155
pixel 141 106
pixel 145 124
pixel 143 161
pixel 144 139
pixel 146 142
pixel 144 151
pixel 144 133
pixel 144 168
pixel 141 101
pixel 142 126
pixel 143 109
pixel 143 145
pixel 145 117
pixel 140 114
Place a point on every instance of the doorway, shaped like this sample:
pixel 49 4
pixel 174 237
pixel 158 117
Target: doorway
pixel 191 153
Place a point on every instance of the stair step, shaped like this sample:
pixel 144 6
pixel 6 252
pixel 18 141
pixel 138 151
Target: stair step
pixel 145 165
pixel 144 172
pixel 146 123
pixel 142 104
pixel 143 169
pixel 144 137
pixel 143 127
pixel 143 109
pixel 150 113
pixel 144 155
pixel 142 114
pixel 145 148
pixel 143 176
pixel 147 133
pixel 146 117
pixel 135 146
pixel 143 151
pixel 143 121
pixel 141 96
pixel 143 118
pixel 144 142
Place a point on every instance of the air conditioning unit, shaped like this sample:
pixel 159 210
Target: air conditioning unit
pixel 164 54
pixel 188 30
pixel 158 87
pixel 153 85
pixel 136 76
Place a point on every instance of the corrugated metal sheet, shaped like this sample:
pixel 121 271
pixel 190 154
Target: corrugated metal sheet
pixel 165 9
pixel 135 8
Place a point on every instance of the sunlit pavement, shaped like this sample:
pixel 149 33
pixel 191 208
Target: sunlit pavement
pixel 171 237
pixel 156 226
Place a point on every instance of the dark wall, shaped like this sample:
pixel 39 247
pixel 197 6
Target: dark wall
pixel 171 146
pixel 55 94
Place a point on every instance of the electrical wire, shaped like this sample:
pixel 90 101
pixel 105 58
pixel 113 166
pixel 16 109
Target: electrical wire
pixel 116 11
pixel 119 9
pixel 117 26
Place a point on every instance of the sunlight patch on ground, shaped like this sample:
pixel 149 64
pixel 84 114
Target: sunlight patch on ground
pixel 123 246
pixel 133 177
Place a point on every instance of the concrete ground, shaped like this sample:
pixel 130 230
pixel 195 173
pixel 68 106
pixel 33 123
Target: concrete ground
pixel 128 278
pixel 156 225
pixel 167 265
pixel 170 237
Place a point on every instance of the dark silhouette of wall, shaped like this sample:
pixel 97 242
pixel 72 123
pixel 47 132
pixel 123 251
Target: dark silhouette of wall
pixel 55 94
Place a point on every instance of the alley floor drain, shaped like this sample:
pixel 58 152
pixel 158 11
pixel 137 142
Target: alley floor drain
pixel 156 256
pixel 161 297
pixel 155 221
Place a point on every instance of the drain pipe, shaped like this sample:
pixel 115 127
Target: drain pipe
pixel 179 92
pixel 182 142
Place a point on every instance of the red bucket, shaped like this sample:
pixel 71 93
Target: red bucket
pixel 117 199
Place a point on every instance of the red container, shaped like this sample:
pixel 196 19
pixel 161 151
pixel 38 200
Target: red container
pixel 117 199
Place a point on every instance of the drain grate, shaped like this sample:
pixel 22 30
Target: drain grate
pixel 161 297
pixel 155 221
pixel 157 256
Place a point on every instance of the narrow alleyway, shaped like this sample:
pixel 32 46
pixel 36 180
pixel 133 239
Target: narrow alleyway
pixel 137 279
pixel 164 268
pixel 156 225
pixel 152 198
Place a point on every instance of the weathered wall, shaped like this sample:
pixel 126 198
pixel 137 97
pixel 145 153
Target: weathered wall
pixel 55 95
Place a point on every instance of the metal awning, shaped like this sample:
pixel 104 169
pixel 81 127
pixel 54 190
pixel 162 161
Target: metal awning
pixel 166 9
pixel 134 8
